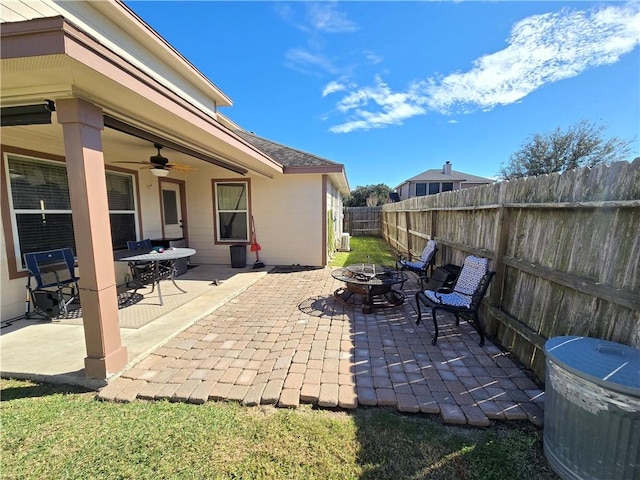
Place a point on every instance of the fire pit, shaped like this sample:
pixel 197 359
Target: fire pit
pixel 371 282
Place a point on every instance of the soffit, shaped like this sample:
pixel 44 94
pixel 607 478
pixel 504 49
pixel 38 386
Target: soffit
pixel 90 71
pixel 117 27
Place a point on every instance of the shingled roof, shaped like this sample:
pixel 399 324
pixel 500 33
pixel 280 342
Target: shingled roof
pixel 286 156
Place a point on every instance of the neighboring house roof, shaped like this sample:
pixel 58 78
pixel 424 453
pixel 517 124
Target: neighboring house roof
pixel 297 161
pixel 436 175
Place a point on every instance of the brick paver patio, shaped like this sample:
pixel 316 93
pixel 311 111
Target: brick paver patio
pixel 261 348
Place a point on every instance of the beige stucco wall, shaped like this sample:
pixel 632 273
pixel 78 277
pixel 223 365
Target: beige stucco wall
pixel 12 292
pixel 286 210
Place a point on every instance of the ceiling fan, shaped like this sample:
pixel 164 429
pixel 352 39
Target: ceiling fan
pixel 160 166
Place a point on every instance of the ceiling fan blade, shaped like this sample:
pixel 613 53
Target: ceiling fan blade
pixel 180 167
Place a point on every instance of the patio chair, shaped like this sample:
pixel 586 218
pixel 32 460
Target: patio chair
pixel 420 266
pixel 134 246
pixel 56 283
pixel 463 300
pixel 145 273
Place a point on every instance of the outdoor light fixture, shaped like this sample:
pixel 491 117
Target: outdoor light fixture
pixel 160 172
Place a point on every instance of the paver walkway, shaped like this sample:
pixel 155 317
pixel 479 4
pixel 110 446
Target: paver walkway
pixel 261 348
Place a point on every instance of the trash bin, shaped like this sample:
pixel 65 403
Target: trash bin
pixel 238 256
pixel 592 408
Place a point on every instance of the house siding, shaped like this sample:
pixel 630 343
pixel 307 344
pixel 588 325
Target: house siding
pixel 287 215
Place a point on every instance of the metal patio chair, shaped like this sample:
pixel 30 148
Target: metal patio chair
pixel 463 299
pixel 56 283
pixel 145 273
pixel 422 265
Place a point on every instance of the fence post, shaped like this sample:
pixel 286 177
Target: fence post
pixel 407 220
pixel 500 245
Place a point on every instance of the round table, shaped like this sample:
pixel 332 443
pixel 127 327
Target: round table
pixel 170 254
pixel 371 282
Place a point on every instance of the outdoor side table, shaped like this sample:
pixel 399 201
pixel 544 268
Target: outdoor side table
pixel 168 255
pixel 373 283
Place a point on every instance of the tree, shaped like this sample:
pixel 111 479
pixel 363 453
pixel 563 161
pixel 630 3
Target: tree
pixel 581 145
pixel 368 196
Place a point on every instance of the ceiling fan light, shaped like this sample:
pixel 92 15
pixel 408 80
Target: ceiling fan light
pixel 160 172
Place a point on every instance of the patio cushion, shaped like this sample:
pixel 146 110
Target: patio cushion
pixel 455 299
pixel 425 257
pixel 418 265
pixel 473 270
pixel 428 251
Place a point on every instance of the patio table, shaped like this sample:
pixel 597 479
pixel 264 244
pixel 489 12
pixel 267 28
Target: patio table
pixel 371 282
pixel 167 255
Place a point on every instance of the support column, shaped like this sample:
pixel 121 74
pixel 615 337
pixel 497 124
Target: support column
pixel 82 124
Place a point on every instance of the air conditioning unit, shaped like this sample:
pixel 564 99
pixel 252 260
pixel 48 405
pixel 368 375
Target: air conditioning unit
pixel 345 245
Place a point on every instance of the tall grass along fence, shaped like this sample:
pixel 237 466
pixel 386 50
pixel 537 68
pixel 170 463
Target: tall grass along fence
pixel 565 249
pixel 362 220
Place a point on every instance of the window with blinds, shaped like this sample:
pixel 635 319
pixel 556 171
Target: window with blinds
pixel 232 211
pixel 41 207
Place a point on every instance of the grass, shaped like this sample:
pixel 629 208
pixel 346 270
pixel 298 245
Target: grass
pixel 366 250
pixel 57 432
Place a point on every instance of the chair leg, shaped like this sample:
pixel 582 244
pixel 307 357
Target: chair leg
pixel 27 305
pixel 478 328
pixel 435 326
pixel 419 311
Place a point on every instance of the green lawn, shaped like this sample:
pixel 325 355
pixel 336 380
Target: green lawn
pixel 366 250
pixel 57 432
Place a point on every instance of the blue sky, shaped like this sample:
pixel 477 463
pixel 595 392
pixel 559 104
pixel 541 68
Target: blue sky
pixel 391 89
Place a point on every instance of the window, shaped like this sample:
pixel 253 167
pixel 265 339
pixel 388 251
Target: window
pixel 232 211
pixel 447 187
pixel 41 206
pixel 421 189
pixel 434 188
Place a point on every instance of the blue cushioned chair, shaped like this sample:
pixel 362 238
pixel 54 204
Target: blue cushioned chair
pixel 420 266
pixel 56 283
pixel 463 300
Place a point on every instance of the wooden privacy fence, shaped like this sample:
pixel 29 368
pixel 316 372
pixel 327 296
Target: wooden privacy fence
pixel 362 220
pixel 565 249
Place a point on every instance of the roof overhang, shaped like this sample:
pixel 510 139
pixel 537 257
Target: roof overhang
pixel 50 59
pixel 335 172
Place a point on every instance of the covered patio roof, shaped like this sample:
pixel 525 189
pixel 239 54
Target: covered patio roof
pixel 100 66
pixel 51 58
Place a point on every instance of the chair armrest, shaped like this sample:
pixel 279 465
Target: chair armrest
pixel 443 289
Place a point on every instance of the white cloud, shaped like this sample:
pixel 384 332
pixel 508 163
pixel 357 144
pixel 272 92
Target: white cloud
pixel 452 121
pixel 541 49
pixel 305 61
pixel 373 58
pixel 319 18
pixel 389 108
pixel 333 87
pixel 326 17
